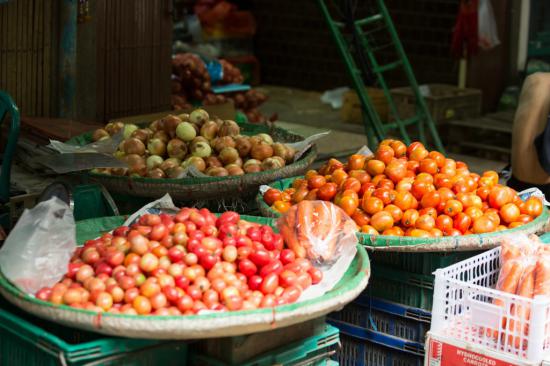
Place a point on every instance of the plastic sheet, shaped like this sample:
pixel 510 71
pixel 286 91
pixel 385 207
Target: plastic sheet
pixel 37 251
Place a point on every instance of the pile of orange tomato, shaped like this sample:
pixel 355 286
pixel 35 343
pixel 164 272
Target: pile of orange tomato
pixel 409 191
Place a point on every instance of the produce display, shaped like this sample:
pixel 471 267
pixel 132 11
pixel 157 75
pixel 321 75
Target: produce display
pixel 184 264
pixel 191 82
pixel 410 191
pixel 524 271
pixel 171 145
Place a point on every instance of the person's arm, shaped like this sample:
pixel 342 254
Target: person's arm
pixel 530 120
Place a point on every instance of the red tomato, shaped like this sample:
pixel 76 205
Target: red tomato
pixel 462 222
pixel 409 218
pixel 453 207
pixel 372 205
pixel 444 222
pixel 327 191
pixel 381 221
pixel 532 207
pixel 430 199
pixel 270 196
pixel 428 166
pixel 360 217
pixel 269 283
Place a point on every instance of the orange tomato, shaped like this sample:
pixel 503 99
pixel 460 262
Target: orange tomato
pixel 446 194
pixel 396 170
pixel 281 206
pixel 361 175
pixel 395 212
pixel 428 166
pixel 444 222
pixel 385 183
pixel 349 204
pixel 438 157
pixel 349 192
pixel 425 222
pixel 430 199
pixel 473 212
pixel 452 207
pixel 428 211
pixel 483 193
pixel 413 166
pixel 442 180
pixel 436 233
pixel 377 179
pixel 367 189
pixel 500 228
pixel 493 215
pixel 316 181
pixel 311 173
pixel 418 233
pixel 327 191
pixel 515 224
pixel 405 184
pixel 338 176
pixel 360 217
pixel 287 195
pixel 394 231
pixel 462 222
pixel 386 142
pixel 311 195
pixel 399 148
pixel 381 221
pixel 491 175
pixel 417 151
pixel 419 189
pixel 452 232
pixel 483 224
pixel 352 184
pixel 272 195
pixel 375 167
pixel 409 218
pixel 525 218
pixel 532 207
pixel 386 195
pixel 332 165
pixel 499 196
pixel 299 195
pixel 367 229
pixel 470 200
pixel 509 213
pixel 356 162
pixel 403 200
pixel 372 205
pixel 424 177
pixel 384 153
pixel 299 183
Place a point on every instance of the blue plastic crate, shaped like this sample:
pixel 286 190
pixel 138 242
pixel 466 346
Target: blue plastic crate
pixel 357 352
pixel 382 317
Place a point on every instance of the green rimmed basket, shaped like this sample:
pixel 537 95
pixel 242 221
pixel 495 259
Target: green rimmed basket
pixel 204 188
pixel 411 244
pixel 195 326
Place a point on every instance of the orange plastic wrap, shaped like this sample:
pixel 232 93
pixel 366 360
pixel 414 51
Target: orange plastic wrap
pixel 317 230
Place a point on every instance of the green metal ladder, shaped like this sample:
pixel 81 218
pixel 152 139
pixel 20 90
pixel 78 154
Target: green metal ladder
pixel 378 20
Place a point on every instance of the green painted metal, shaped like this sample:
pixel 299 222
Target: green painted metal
pixel 67 58
pixel 7 107
pixel 375 129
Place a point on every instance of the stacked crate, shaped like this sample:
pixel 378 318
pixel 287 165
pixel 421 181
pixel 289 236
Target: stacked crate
pixel 387 324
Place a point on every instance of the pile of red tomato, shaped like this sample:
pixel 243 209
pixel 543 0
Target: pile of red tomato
pixel 410 191
pixel 183 264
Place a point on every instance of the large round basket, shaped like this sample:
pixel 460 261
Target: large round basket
pixel 205 188
pixel 411 244
pixel 212 325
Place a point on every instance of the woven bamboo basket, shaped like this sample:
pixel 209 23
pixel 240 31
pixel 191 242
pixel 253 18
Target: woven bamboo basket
pixel 411 244
pixel 211 325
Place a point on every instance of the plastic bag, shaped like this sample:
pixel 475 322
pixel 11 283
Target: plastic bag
pixel 37 251
pixel 487 26
pixel 317 230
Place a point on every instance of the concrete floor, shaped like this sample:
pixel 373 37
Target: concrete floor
pixel 303 112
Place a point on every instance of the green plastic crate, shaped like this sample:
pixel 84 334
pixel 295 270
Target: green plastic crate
pixel 419 263
pixel 406 288
pixel 312 351
pixel 30 341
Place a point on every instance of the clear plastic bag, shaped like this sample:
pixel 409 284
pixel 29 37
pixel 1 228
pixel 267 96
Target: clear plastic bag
pixel 37 251
pixel 487 26
pixel 317 230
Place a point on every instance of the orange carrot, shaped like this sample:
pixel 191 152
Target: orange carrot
pixel 542 276
pixel 526 288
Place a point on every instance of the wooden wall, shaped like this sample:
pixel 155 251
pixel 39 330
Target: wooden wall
pixel 28 54
pixel 133 68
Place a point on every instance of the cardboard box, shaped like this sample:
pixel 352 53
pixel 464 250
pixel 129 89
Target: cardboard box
pixel 352 111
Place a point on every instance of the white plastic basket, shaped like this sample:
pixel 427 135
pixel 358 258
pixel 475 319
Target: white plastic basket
pixel 464 309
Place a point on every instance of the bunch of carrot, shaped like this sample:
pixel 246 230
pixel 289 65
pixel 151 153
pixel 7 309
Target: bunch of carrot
pixel 317 230
pixel 524 271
